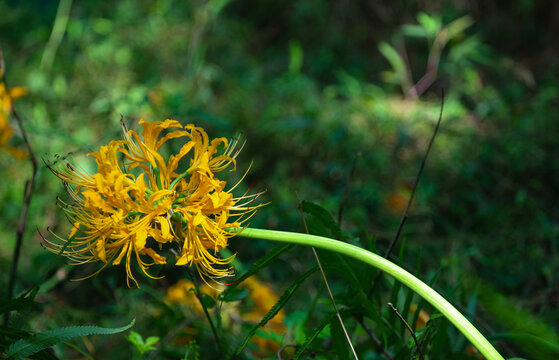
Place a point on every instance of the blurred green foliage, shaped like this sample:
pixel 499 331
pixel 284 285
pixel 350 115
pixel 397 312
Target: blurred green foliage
pixel 316 87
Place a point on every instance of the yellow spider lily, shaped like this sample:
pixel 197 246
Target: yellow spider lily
pixel 134 206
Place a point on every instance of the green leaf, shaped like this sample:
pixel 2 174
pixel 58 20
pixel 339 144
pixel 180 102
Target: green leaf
pixel 414 31
pixel 26 300
pixel 150 341
pixel 135 339
pixel 26 347
pixel 339 341
pixel 431 24
pixel 255 267
pixel 13 333
pixel 69 344
pixel 235 294
pixel 395 60
pixel 545 347
pixel 312 337
pixel 192 349
pixel 139 343
pixel 295 57
pixel 208 301
pixel 45 354
pixel 537 339
pixel 323 217
pixel 276 308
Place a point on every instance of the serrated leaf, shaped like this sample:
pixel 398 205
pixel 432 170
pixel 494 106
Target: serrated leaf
pixel 276 308
pixel 26 347
pixel 312 337
pixel 13 333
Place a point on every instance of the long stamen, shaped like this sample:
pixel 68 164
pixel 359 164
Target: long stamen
pixel 114 211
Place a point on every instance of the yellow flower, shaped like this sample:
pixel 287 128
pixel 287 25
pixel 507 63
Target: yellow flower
pixel 183 293
pixel 263 298
pixel 139 205
pixel 422 318
pixel 6 131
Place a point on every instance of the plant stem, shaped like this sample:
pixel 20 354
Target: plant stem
pixel 198 294
pixel 422 289
pixel 28 192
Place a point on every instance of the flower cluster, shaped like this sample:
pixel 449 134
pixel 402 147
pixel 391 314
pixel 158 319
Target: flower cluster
pixel 6 131
pixel 139 203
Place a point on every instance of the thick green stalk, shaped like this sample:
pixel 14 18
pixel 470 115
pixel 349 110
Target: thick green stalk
pixel 422 289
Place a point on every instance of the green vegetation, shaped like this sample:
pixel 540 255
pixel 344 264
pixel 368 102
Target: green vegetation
pixel 338 102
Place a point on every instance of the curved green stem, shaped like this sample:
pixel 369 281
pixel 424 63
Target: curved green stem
pixel 422 289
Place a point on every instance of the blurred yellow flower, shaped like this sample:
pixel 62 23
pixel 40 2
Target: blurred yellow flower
pixel 6 131
pixel 183 293
pixel 134 207
pixel 422 318
pixel 263 299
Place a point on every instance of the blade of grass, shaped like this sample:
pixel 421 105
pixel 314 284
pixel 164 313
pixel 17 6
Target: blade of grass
pixel 260 264
pixel 312 337
pixel 275 309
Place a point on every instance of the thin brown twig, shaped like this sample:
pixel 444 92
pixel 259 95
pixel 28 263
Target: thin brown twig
pixel 417 345
pixel 412 195
pixel 326 283
pixel 22 223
